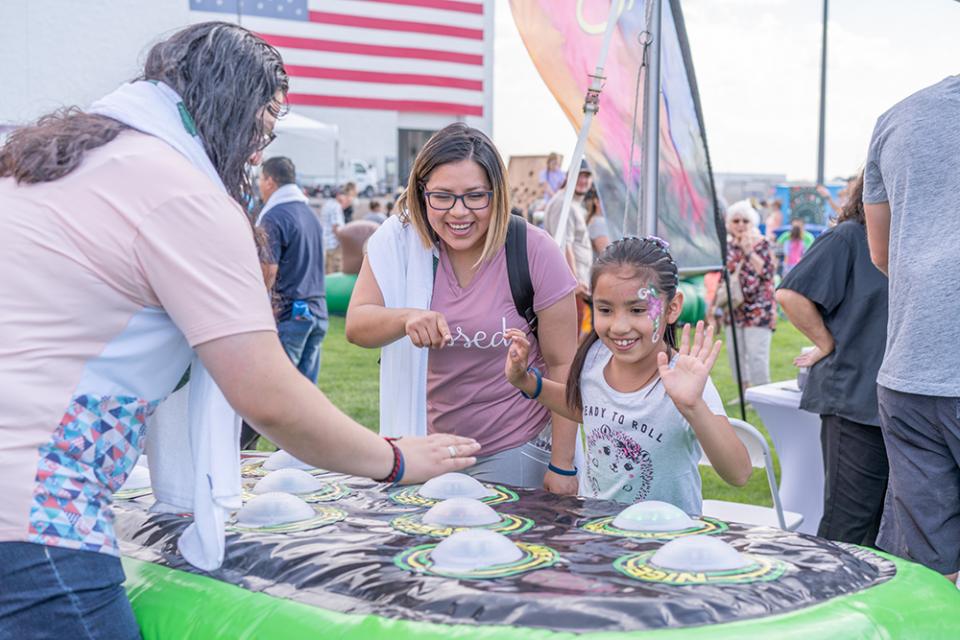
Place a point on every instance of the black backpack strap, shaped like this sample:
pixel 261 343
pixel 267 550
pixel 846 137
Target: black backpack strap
pixel 518 271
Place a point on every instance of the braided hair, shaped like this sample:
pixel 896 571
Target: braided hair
pixel 651 261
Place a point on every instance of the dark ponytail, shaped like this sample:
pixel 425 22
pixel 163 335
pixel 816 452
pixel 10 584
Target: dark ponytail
pixel 651 260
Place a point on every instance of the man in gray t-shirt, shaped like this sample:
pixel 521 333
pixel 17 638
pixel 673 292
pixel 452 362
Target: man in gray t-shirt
pixel 912 203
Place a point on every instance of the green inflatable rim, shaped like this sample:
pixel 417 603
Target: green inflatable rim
pixel 916 603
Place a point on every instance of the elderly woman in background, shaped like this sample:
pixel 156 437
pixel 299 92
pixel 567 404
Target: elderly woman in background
pixel 751 261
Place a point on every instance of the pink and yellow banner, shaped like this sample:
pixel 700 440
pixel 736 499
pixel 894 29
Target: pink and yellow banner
pixel 564 39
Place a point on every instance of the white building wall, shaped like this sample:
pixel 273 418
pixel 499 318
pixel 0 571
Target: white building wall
pixel 56 53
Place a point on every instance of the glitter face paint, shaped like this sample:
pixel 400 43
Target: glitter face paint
pixel 654 308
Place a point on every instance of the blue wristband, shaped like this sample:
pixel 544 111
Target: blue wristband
pixel 536 394
pixel 562 472
pixel 400 471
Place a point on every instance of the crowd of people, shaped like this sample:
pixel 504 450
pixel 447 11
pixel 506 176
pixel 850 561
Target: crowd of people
pixel 134 219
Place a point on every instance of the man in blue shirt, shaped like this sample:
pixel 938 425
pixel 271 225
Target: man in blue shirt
pixel 293 270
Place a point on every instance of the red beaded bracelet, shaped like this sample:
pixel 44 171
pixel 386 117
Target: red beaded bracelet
pixel 396 473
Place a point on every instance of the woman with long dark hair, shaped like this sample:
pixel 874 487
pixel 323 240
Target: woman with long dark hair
pixel 127 252
pixel 434 291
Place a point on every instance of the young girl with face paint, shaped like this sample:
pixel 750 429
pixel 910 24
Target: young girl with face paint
pixel 648 405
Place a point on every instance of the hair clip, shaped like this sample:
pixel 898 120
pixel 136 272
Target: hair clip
pixel 659 241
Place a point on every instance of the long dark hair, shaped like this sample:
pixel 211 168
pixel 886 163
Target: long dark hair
pixel 651 261
pixel 591 203
pixel 853 207
pixel 226 77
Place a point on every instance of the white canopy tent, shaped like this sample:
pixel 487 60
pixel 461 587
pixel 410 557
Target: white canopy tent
pixel 313 146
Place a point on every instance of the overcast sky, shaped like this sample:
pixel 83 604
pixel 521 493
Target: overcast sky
pixel 757 63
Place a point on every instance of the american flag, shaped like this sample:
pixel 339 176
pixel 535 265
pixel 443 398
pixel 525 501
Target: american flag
pixel 397 55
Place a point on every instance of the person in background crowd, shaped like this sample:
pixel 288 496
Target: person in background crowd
pixel 332 218
pixel 577 246
pixel 388 208
pixel 596 222
pixel 375 214
pixel 551 178
pixel 837 298
pixel 772 218
pixel 911 197
pixel 794 244
pixel 292 264
pixel 843 195
pixel 141 256
pixel 750 259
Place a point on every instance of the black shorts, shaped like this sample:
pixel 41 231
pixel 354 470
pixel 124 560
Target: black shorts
pixel 921 517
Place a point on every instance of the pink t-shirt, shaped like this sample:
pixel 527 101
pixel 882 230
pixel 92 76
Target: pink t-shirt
pixel 795 251
pixel 111 274
pixel 467 393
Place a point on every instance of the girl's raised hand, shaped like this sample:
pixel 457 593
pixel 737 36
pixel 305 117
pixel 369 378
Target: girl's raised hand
pixel 684 382
pixel 515 368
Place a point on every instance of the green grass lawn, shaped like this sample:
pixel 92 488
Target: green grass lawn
pixel 350 377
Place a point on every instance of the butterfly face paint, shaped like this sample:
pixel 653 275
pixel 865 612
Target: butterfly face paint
pixel 654 308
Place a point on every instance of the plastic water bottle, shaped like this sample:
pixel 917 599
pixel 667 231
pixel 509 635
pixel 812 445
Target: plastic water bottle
pixel 803 372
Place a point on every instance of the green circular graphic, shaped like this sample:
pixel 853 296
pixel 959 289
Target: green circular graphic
pixel 604 526
pixel 413 524
pixel 409 497
pixel 256 469
pixel 535 556
pixel 329 492
pixel 638 567
pixel 325 515
pixel 130 494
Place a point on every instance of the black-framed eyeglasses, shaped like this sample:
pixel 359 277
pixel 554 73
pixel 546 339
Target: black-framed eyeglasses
pixel 444 200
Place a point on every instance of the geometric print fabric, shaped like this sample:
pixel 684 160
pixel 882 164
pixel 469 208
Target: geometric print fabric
pixel 88 458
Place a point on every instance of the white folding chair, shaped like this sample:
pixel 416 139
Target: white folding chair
pixel 760 458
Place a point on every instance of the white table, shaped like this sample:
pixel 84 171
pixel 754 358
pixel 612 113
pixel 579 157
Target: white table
pixel 796 438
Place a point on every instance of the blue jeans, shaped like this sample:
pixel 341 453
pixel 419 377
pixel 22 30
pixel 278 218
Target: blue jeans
pixel 49 592
pixel 302 337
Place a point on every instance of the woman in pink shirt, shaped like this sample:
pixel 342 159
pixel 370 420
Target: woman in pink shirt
pixel 457 207
pixel 131 253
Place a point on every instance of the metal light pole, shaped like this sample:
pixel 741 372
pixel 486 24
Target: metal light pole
pixel 650 169
pixel 823 95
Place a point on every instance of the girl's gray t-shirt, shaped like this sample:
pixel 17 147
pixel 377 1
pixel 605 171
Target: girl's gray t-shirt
pixel 639 446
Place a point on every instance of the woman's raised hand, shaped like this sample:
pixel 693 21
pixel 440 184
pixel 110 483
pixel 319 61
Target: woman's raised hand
pixel 515 368
pixel 430 456
pixel 684 382
pixel 427 329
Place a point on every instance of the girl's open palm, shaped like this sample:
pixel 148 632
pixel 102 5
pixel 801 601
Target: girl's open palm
pixel 684 382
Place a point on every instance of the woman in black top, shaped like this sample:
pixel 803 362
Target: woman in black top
pixel 838 299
